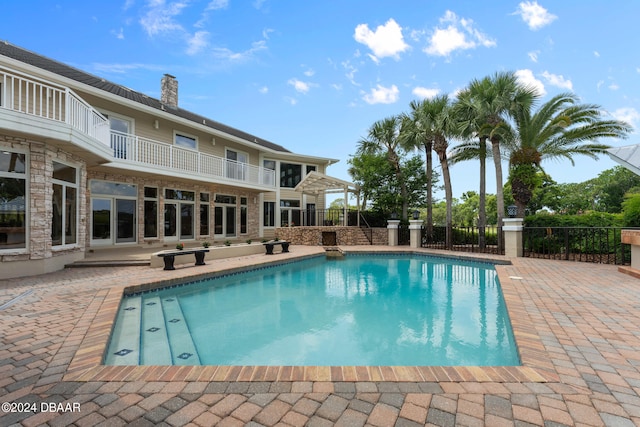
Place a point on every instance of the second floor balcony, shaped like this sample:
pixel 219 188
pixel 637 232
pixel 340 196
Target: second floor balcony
pixel 149 153
pixel 34 106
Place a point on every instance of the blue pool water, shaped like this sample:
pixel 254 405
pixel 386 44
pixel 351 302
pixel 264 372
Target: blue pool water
pixel 407 310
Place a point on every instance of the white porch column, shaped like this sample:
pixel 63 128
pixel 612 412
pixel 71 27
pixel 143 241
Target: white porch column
pixel 512 229
pixel 392 227
pixel 415 232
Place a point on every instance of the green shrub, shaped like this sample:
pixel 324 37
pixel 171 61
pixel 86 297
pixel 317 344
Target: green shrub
pixel 631 210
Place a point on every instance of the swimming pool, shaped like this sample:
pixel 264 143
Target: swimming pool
pixel 383 309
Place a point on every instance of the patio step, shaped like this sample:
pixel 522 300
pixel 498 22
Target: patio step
pixel 155 344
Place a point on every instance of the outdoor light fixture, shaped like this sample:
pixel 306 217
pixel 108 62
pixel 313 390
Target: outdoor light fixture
pixel 416 214
pixel 512 211
pixel 394 215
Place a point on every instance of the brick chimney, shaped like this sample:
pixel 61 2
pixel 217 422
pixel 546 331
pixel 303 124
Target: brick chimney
pixel 169 91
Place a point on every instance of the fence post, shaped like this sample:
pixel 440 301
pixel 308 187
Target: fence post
pixel 512 230
pixel 415 233
pixel 392 227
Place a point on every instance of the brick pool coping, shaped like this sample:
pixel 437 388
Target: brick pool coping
pixel 94 329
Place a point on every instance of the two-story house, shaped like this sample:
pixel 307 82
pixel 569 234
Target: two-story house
pixel 87 163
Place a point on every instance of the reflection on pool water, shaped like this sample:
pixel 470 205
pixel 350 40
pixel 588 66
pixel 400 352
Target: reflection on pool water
pixel 383 309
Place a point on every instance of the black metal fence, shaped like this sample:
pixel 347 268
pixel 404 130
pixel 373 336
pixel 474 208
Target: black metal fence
pixel 587 244
pixel 465 239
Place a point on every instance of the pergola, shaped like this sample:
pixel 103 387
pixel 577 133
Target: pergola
pixel 628 156
pixel 315 183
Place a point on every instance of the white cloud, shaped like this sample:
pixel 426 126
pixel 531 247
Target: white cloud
pixel 160 17
pixel 229 55
pixel 456 34
pixel 614 86
pixel 533 56
pixel 425 92
pixel 382 95
pixel 118 33
pixel 557 80
pixel 627 114
pixel 300 86
pixel 217 4
pixel 125 68
pixel 197 42
pixel 527 78
pixel 309 72
pixel 385 41
pixel 263 90
pixel 534 15
pixel 351 72
pixel 596 54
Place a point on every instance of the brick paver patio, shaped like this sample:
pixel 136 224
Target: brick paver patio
pixel 577 326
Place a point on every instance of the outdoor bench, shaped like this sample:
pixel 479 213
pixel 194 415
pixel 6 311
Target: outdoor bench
pixel 269 246
pixel 169 257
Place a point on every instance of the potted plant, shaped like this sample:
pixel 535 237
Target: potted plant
pixel 179 246
pixel 227 243
pixel 248 241
pixel 205 244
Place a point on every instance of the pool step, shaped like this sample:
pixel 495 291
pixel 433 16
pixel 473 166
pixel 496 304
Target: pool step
pixel 183 350
pixel 124 347
pixel 155 346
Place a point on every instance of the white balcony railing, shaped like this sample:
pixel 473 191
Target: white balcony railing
pixel 35 97
pixel 30 95
pixel 160 155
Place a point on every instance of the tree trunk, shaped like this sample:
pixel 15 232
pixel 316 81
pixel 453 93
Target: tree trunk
pixel 446 177
pixel 497 160
pixel 429 170
pixel 482 205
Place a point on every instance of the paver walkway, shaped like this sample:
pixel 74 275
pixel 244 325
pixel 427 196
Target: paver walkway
pixel 585 317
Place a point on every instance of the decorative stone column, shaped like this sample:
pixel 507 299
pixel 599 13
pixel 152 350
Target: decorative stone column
pixel 512 229
pixel 632 237
pixel 392 227
pixel 415 232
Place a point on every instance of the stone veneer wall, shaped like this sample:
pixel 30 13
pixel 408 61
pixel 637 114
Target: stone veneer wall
pixel 40 192
pixel 345 236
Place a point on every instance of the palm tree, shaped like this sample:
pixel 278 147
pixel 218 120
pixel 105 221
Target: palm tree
pixel 383 137
pixel 499 97
pixel 439 119
pixel 415 133
pixel 560 128
pixel 471 118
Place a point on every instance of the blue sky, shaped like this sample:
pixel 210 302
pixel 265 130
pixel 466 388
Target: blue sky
pixel 313 76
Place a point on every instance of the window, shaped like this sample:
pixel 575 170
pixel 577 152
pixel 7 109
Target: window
pixel 290 175
pixel 269 219
pixel 172 194
pixel 243 215
pixel 290 213
pixel 237 164
pixel 13 200
pixel 185 141
pixel 268 172
pixel 150 212
pixel 121 129
pixel 228 200
pixel 64 230
pixel 204 214
pixel 310 168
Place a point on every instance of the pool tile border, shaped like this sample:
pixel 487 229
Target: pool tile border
pixel 86 364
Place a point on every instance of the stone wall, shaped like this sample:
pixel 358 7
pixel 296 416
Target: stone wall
pixel 324 236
